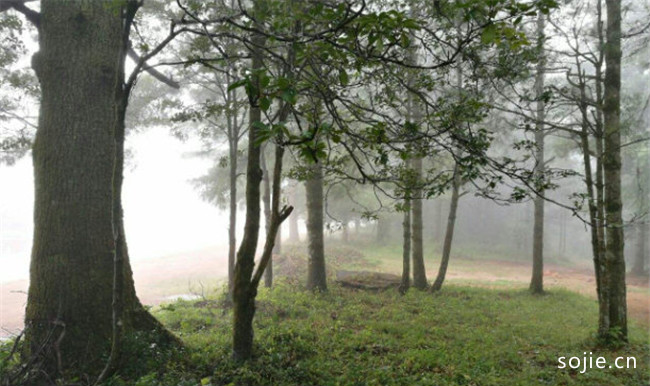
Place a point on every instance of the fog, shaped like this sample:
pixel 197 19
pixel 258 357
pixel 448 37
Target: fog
pixel 164 214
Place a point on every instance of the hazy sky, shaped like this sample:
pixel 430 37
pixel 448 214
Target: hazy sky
pixel 163 212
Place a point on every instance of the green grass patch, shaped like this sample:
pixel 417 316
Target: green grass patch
pixel 461 336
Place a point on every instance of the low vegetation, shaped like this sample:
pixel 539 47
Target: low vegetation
pixel 463 336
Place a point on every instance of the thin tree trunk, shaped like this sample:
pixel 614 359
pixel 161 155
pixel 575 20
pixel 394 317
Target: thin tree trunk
pixel 244 293
pixel 638 268
pixel 599 267
pixel 266 199
pixel 406 249
pixel 602 274
pixel 294 235
pixel 233 143
pixel 449 235
pixel 316 275
pixel 383 229
pixel 615 258
pixel 419 271
pixel 642 228
pixel 537 279
pixel 346 232
pixel 439 220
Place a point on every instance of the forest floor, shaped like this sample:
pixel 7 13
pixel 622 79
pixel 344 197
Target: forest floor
pixel 482 329
pixel 461 336
pixel 469 270
pixel 192 274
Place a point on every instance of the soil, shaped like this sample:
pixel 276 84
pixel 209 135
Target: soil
pixel 201 271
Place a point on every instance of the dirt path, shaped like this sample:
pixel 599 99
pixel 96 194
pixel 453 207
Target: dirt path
pixel 156 281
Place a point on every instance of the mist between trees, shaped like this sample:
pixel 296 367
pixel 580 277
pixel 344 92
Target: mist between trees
pixel 503 131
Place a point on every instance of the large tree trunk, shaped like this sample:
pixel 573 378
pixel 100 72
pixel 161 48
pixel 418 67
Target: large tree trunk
pixel 316 275
pixel 537 279
pixel 614 255
pixel 78 159
pixel 419 272
pixel 449 235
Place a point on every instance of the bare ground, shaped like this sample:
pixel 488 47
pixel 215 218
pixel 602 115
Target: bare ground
pixel 156 281
pixel 159 280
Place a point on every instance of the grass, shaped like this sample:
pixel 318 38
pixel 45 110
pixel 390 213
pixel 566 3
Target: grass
pixel 389 255
pixel 498 334
pixel 462 336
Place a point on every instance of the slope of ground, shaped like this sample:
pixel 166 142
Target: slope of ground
pixel 463 336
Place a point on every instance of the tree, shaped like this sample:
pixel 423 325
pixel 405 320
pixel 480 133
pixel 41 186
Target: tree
pixel 615 327
pixel 78 229
pixel 449 233
pixel 316 274
pixel 405 283
pixel 537 279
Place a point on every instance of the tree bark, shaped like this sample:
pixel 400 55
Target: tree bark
pixel 244 293
pixel 233 145
pixel 449 235
pixel 316 274
pixel 74 245
pixel 537 279
pixel 80 261
pixel 614 255
pixel 406 249
pixel 266 199
pixel 643 198
pixel 419 271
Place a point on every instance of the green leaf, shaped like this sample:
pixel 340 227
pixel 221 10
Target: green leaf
pixel 289 96
pixel 237 84
pixel 265 103
pixel 489 34
pixel 344 78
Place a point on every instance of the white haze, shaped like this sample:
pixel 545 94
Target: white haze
pixel 163 212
